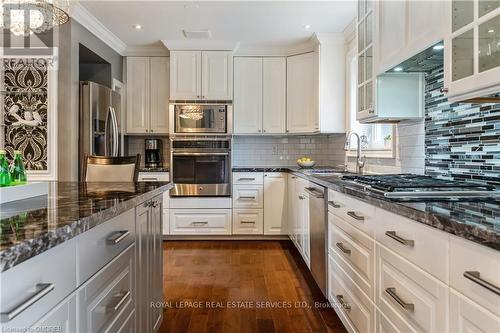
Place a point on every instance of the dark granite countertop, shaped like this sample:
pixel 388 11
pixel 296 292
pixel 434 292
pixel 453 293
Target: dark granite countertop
pixel 476 221
pixel 32 226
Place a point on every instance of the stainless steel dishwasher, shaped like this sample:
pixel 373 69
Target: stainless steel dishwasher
pixel 318 234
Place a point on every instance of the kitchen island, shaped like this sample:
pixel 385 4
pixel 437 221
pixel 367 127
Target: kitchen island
pixel 90 251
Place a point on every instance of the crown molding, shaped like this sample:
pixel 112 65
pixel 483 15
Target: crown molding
pixel 92 24
pixel 201 44
pixel 147 51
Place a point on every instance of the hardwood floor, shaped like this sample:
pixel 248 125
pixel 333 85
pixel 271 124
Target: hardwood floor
pixel 241 286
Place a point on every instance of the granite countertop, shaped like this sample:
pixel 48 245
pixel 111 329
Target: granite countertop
pixel 32 226
pixel 476 221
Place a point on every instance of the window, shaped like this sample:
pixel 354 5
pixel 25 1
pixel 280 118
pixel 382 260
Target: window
pixel 375 138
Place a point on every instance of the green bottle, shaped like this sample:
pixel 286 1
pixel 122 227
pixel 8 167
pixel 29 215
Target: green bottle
pixel 17 170
pixel 4 170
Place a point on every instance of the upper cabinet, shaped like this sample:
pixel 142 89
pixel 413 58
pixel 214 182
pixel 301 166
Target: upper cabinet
pixel 259 95
pixel 198 75
pixel 147 94
pixel 472 49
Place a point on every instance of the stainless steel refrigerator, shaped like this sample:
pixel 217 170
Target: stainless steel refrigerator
pixel 100 122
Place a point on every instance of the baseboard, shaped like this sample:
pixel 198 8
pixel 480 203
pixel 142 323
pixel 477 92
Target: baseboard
pixel 225 237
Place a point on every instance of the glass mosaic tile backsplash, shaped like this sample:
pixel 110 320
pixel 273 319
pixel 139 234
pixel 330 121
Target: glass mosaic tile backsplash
pixel 462 141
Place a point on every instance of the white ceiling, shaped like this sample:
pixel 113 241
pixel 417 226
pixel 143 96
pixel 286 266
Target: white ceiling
pixel 254 24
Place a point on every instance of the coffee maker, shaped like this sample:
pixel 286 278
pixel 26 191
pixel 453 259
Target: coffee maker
pixel 153 153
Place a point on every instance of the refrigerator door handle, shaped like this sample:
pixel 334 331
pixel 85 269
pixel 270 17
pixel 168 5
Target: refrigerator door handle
pixel 109 117
pixel 115 147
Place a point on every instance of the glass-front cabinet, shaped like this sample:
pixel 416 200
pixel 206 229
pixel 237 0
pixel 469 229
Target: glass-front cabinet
pixel 472 50
pixel 365 28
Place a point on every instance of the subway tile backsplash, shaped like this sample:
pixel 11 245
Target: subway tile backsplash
pixel 462 140
pixel 326 150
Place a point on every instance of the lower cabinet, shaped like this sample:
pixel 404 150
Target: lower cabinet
pixel 298 215
pixel 62 318
pixel 248 222
pixel 275 203
pixel 467 316
pixel 200 221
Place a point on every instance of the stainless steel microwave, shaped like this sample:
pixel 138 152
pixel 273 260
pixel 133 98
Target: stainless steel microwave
pixel 200 119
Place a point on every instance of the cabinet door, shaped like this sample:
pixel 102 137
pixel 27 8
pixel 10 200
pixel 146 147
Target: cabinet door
pixel 156 262
pixel 467 316
pixel 292 207
pixel 63 316
pixel 185 75
pixel 217 74
pixel 160 94
pixel 274 95
pixel 275 204
pixel 138 92
pixel 247 95
pixel 391 31
pixel 425 24
pixel 142 259
pixel 300 93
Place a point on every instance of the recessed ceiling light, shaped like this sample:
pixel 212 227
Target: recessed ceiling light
pixel 137 26
pixel 398 69
pixel 491 31
pixel 438 47
pixel 307 26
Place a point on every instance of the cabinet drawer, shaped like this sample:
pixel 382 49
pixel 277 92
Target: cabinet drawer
pixel 100 245
pixel 384 325
pixel 356 251
pixel 153 177
pixel 51 275
pixel 63 316
pixel 467 316
pixel 248 196
pixel 108 294
pixel 248 222
pixel 349 299
pixel 416 242
pixel 248 178
pixel 466 256
pixel 200 221
pixel 404 290
pixel 354 211
pixel 125 323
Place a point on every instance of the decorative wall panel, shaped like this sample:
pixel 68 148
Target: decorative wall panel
pixel 462 140
pixel 25 110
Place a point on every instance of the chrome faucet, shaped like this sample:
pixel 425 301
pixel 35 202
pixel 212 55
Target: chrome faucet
pixel 360 160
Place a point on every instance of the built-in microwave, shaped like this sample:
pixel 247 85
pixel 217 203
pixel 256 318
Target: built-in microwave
pixel 200 119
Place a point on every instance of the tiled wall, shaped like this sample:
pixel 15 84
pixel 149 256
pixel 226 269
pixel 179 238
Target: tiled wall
pixel 136 145
pixel 462 140
pixel 326 150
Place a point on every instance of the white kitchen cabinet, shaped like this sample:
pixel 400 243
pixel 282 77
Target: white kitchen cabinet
pixel 248 222
pixel 472 52
pixel 391 30
pixel 274 95
pixel 200 221
pixel 199 75
pixel 248 196
pixel 467 316
pixel 147 95
pixel 300 93
pixel 292 207
pixel 185 75
pixel 63 316
pixel 275 203
pixel 248 92
pixel 217 73
pixel 159 88
pixel 138 95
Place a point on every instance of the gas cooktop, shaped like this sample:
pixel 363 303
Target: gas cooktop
pixel 409 187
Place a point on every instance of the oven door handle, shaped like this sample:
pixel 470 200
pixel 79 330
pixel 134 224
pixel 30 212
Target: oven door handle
pixel 200 154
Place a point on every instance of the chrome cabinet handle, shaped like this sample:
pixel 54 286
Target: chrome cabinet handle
pixel 246 179
pixel 43 289
pixel 247 198
pixel 333 204
pixel 393 235
pixel 475 277
pixel 345 305
pixel 116 307
pixel 340 245
pixel 403 304
pixel 153 179
pixel 356 216
pixel 200 222
pixel 155 204
pixel 301 197
pixel 248 222
pixel 314 192
pixel 117 237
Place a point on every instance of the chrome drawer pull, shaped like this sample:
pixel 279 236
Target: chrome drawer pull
pixel 200 222
pixel 475 276
pixel 149 179
pixel 343 249
pixel 43 289
pixel 333 204
pixel 393 235
pixel 301 197
pixel 314 192
pixel 117 237
pixel 356 216
pixel 247 179
pixel 247 198
pixel 116 307
pixel 345 305
pixel 248 222
pixel 406 306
